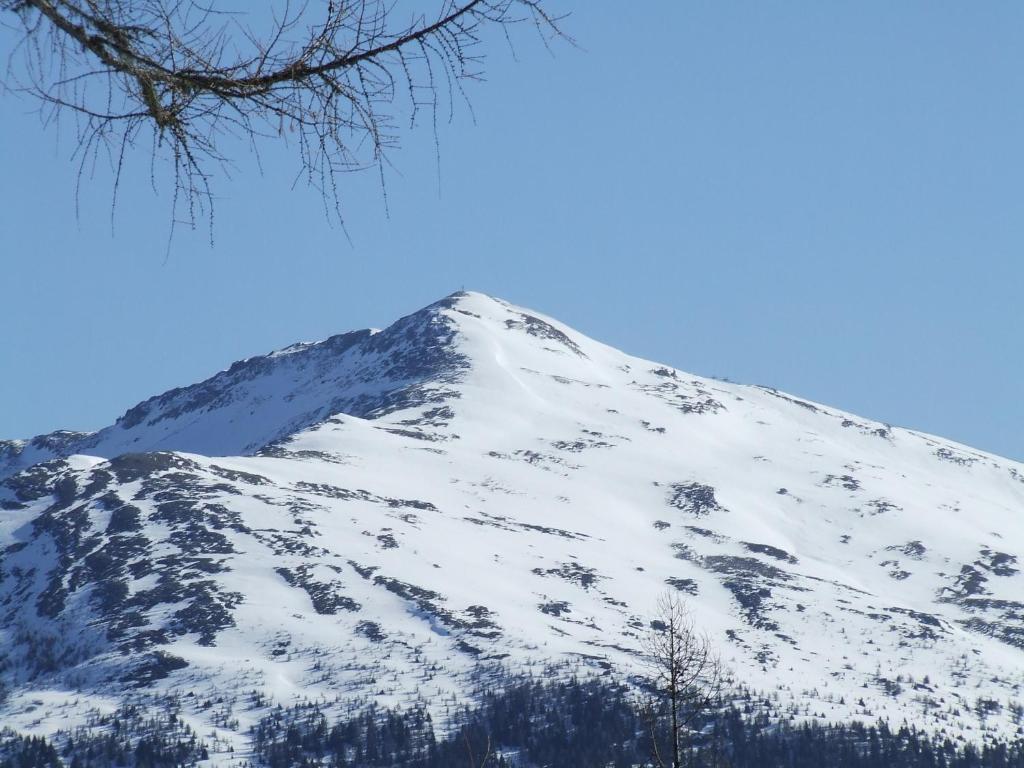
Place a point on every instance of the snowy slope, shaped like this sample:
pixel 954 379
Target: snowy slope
pixel 389 514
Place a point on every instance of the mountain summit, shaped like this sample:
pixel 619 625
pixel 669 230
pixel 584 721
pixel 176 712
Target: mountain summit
pixel 391 514
pixel 262 399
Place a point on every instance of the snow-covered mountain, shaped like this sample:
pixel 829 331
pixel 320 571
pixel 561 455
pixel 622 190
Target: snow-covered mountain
pixel 388 514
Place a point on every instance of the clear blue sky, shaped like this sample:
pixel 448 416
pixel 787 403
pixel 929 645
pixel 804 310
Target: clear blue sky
pixel 825 197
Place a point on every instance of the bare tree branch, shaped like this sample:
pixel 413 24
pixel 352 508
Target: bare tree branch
pixel 190 77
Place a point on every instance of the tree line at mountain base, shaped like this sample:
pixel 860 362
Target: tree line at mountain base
pixel 522 724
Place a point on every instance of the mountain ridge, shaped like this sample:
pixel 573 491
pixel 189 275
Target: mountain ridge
pixel 19 454
pixel 215 394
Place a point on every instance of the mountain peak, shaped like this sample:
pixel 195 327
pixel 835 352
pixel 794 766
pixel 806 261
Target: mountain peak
pixel 261 400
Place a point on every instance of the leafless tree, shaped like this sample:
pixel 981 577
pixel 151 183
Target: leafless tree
pixel 181 79
pixel 469 752
pixel 684 676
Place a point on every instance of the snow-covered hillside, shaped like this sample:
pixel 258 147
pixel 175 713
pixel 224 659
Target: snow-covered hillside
pixel 387 514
